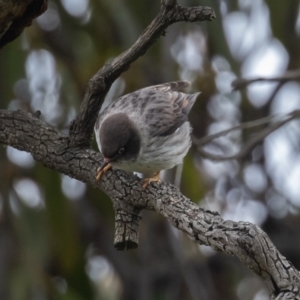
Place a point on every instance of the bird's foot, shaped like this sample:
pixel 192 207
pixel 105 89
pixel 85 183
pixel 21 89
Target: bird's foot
pixel 154 178
pixel 102 171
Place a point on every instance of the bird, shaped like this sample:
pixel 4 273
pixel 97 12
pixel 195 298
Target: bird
pixel 146 131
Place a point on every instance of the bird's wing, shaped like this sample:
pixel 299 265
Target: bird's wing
pixel 167 109
pixel 161 107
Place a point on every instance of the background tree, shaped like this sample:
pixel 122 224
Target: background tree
pixel 57 233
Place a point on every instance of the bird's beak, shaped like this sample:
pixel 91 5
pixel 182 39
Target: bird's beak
pixel 106 161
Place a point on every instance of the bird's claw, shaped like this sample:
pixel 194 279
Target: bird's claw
pixel 101 172
pixel 147 181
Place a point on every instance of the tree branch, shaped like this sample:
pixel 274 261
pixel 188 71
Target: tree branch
pixel 81 129
pixel 69 155
pixel 243 240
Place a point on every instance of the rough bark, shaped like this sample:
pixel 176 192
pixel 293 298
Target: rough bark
pixel 246 241
pixel 71 155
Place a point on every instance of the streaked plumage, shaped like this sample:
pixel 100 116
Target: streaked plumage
pixel 150 124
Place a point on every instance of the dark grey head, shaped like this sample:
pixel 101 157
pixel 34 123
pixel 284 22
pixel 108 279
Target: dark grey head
pixel 120 139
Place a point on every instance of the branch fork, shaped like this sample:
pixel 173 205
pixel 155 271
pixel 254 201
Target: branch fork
pixel 81 129
pixel 245 241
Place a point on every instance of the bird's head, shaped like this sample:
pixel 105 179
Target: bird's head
pixel 120 139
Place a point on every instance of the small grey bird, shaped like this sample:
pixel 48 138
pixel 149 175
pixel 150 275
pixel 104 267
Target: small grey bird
pixel 146 131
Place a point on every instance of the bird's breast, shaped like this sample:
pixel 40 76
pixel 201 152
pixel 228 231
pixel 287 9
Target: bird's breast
pixel 159 153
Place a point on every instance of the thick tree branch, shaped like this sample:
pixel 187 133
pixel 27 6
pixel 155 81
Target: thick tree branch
pixel 243 240
pixel 81 129
pixel 70 155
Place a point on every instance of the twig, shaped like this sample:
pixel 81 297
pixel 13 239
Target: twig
pixel 246 125
pixel 249 145
pixel 241 83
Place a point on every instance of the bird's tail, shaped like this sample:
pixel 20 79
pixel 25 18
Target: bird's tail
pixel 189 102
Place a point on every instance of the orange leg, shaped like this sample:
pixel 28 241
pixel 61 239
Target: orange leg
pixel 101 172
pixel 154 178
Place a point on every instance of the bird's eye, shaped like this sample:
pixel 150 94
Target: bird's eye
pixel 121 150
